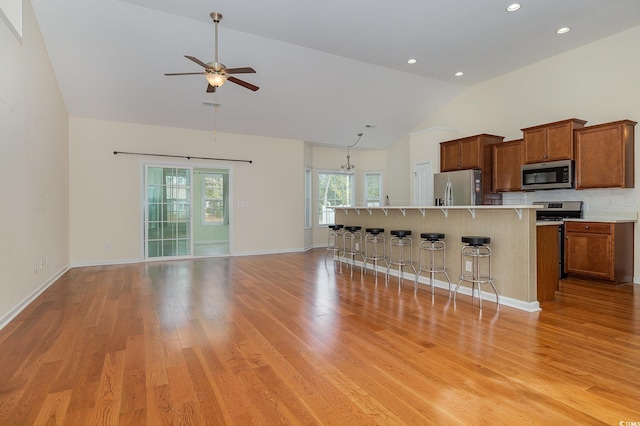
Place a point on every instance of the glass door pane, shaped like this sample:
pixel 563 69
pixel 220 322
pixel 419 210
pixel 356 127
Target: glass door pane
pixel 167 212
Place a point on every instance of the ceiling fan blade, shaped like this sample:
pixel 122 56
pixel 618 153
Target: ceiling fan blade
pixel 184 73
pixel 211 89
pixel 243 70
pixel 242 83
pixel 198 61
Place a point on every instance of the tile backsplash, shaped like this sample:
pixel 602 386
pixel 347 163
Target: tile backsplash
pixel 614 202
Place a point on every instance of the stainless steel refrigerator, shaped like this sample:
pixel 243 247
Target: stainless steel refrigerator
pixel 459 188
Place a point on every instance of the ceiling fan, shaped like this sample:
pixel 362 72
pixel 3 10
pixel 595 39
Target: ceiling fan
pixel 215 72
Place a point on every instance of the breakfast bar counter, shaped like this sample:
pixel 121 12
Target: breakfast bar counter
pixel 512 229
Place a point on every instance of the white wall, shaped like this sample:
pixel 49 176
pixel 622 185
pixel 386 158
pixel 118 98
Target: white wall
pixel 34 218
pixel 105 189
pixel 424 146
pixel 597 83
pixel 398 186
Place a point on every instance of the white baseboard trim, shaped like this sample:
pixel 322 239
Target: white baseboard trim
pixel 261 252
pixel 6 319
pixel 107 262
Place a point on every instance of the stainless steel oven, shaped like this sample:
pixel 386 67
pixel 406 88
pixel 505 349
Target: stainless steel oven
pixel 557 211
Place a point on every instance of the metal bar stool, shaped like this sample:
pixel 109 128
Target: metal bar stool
pixel 475 251
pixel 431 245
pixel 399 243
pixel 373 241
pixel 352 243
pixel 333 242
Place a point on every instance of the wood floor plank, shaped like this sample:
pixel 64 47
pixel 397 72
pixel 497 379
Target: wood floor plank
pixel 109 398
pixel 288 339
pixel 54 409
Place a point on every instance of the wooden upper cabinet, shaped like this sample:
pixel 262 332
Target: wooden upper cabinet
pixel 605 155
pixel 467 153
pixel 449 156
pixel 550 142
pixel 471 153
pixel 507 159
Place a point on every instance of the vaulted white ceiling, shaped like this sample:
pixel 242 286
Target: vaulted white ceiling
pixel 326 69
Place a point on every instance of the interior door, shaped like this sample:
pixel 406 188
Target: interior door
pixel 423 185
pixel 167 212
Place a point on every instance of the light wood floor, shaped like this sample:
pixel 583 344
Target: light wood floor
pixel 284 339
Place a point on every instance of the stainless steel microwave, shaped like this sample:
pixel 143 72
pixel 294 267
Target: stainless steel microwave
pixel 550 175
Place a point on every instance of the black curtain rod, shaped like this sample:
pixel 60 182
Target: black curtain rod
pixel 188 157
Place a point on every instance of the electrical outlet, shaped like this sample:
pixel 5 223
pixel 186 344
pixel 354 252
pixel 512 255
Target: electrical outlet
pixel 107 246
pixel 41 263
pixel 467 266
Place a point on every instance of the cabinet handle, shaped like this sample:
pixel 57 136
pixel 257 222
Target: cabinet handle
pixel 586 227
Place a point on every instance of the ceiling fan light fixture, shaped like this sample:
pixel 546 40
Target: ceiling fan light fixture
pixel 215 79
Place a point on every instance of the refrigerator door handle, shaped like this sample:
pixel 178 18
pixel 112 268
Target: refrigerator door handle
pixel 448 196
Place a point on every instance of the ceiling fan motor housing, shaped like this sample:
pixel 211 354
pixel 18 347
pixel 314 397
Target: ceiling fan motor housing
pixel 217 17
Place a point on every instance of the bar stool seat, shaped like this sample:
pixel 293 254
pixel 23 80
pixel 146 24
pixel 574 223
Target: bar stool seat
pixel 476 250
pixel 432 243
pixel 476 240
pixel 398 245
pixel 352 245
pixel 374 249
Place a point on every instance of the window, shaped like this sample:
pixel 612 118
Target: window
pixel 334 189
pixel 373 189
pixel 178 194
pixel 213 199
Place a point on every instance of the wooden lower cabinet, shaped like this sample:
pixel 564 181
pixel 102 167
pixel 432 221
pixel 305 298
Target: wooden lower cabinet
pixel 547 262
pixel 601 250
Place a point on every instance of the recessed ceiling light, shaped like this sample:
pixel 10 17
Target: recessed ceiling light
pixel 563 30
pixel 513 7
pixel 411 61
pixel 459 74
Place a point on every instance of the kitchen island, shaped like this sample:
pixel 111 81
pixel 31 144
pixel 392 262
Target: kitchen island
pixel 512 229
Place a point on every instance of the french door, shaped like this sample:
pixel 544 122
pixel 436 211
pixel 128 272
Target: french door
pixel 167 212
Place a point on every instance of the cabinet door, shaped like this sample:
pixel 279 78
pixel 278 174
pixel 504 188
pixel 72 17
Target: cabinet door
pixel 547 262
pixel 589 254
pixel 508 157
pixel 470 153
pixel 560 142
pixel 449 156
pixel 535 149
pixel 600 158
